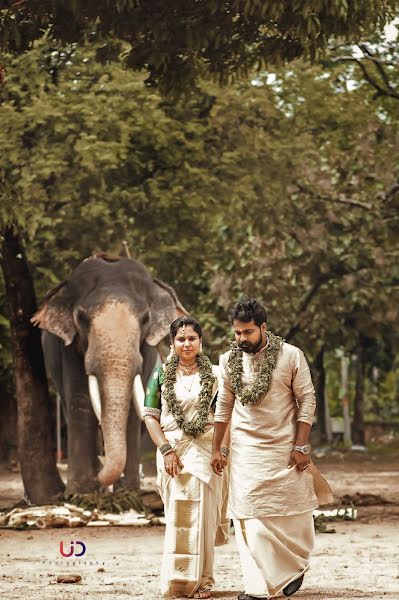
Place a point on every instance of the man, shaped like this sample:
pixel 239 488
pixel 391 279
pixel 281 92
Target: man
pixel 266 391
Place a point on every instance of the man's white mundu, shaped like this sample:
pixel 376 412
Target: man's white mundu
pixel 271 504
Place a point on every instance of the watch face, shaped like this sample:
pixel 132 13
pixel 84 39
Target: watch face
pixel 303 449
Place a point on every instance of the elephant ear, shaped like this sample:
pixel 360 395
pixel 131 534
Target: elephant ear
pixel 164 309
pixel 55 314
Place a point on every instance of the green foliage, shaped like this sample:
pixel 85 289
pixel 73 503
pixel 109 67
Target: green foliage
pixel 177 43
pixel 109 502
pixel 282 187
pixel 99 148
pixel 382 397
pixel 313 227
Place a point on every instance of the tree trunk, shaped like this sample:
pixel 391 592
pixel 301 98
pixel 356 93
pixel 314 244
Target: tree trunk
pixel 320 386
pixel 35 445
pixel 8 419
pixel 345 399
pixel 358 418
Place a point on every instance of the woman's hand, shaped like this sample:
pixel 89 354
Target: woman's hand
pixel 173 464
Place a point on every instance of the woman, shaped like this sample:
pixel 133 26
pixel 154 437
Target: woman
pixel 179 419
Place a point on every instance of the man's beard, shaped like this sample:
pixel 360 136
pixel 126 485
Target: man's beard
pixel 251 348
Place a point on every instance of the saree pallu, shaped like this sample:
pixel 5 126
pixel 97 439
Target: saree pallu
pixel 194 503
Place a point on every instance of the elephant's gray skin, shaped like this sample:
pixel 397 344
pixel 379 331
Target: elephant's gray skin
pixel 106 320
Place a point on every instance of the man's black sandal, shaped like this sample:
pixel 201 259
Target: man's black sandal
pixel 293 587
pixel 244 596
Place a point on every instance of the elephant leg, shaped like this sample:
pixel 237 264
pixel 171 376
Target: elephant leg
pixel 131 474
pixel 83 463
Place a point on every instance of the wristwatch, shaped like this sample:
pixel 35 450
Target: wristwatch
pixel 304 449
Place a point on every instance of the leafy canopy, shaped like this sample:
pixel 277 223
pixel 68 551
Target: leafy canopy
pixel 284 188
pixel 177 42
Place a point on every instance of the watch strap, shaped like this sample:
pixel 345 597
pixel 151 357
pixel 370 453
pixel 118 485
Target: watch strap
pixel 304 449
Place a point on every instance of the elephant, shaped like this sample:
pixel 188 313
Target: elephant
pixel 101 331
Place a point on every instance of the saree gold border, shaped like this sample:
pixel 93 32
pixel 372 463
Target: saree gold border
pixel 186 514
pixel 183 514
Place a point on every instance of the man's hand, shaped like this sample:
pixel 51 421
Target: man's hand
pixel 300 460
pixel 173 464
pixel 218 462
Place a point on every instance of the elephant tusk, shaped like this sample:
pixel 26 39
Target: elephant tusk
pixel 94 393
pixel 138 396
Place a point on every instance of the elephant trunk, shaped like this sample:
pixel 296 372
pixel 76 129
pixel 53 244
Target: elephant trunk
pixel 116 393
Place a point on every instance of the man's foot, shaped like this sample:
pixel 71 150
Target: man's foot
pixel 202 593
pixel 244 596
pixel 293 587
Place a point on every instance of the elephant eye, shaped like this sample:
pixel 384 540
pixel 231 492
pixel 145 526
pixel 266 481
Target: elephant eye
pixel 146 318
pixel 83 317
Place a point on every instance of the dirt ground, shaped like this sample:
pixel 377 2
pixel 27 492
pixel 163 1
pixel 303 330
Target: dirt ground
pixel 360 560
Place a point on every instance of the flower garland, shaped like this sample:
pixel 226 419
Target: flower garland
pixel 254 394
pixel 207 379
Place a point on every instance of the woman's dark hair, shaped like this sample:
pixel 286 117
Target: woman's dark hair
pixel 180 322
pixel 248 309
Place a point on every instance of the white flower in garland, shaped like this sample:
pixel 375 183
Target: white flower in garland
pixel 254 394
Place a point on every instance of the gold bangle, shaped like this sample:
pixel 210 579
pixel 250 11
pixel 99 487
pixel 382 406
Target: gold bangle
pixel 165 449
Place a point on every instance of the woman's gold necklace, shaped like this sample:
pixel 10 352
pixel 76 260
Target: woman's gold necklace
pixel 188 369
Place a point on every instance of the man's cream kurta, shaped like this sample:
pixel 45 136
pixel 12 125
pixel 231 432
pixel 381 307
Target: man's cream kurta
pixel 262 437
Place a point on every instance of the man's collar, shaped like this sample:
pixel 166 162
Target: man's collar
pixel 265 346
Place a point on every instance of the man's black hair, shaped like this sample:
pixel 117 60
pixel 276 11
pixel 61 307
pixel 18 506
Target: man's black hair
pixel 248 309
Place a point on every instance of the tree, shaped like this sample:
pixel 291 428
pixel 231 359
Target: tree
pixel 312 228
pixel 313 217
pixel 177 43
pixel 39 472
pixel 106 151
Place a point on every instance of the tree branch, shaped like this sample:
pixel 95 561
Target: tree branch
pixel 389 91
pixel 303 305
pixel 392 191
pixel 364 205
pixel 379 66
pixel 337 271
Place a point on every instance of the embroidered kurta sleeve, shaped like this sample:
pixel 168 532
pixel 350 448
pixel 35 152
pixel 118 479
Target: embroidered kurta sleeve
pixel 152 401
pixel 225 399
pixel 303 388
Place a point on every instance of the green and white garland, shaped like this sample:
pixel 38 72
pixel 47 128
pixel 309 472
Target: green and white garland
pixel 254 394
pixel 207 379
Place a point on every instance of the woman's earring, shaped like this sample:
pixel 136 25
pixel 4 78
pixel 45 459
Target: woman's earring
pixel 200 349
